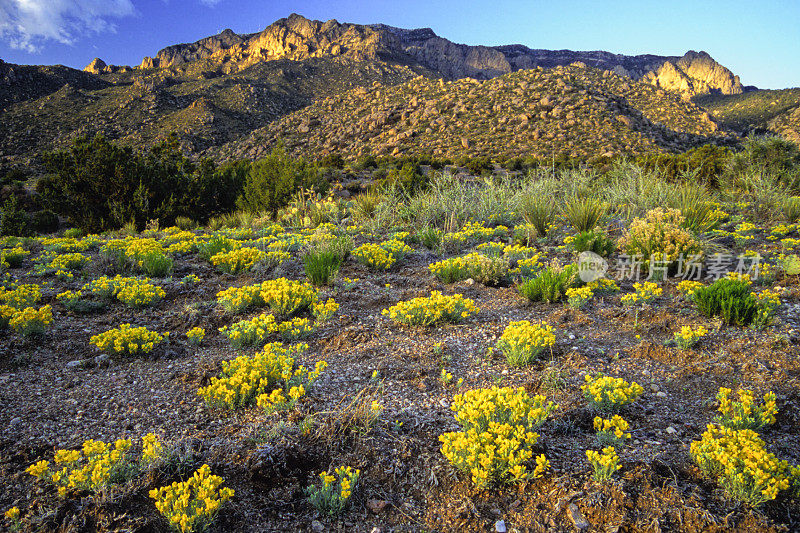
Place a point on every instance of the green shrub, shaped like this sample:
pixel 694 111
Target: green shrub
pixel 156 264
pixel 769 155
pixel 98 185
pixel 791 209
pixel 593 241
pixel 272 182
pixel 73 233
pixel 409 177
pixel 45 221
pixel 429 237
pixel 185 223
pixel 550 285
pixel 731 300
pixel 13 220
pixel 584 213
pixel 214 245
pixel 704 164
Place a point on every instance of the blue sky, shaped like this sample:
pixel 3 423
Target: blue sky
pixel 758 40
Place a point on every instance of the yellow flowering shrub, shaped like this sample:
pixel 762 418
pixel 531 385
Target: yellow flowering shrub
pixel 255 331
pixel 334 491
pixel 153 451
pixel 323 311
pixel 382 256
pixel 737 458
pixel 237 299
pixel 611 431
pixel 60 264
pixel 92 468
pixel 527 268
pixel 604 463
pixel 472 232
pixel 745 413
pixel 603 286
pixel 246 333
pixel 659 233
pixel 517 252
pixel 688 337
pixel 768 301
pixel 127 340
pixel 489 270
pixel 13 516
pixel 196 335
pixel 193 504
pixel 497 434
pixel 13 256
pixel 287 298
pixel 522 341
pixel 610 394
pixel 284 297
pixel 246 379
pixel 688 287
pixel 577 297
pixel 644 294
pixel 426 311
pixel 237 260
pixel 21 297
pixel 6 312
pixel 31 321
pixel 140 293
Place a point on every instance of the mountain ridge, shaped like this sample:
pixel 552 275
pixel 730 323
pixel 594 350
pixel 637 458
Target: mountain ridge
pixel 298 38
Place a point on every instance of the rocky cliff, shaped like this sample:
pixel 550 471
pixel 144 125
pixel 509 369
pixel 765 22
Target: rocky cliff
pixel 298 38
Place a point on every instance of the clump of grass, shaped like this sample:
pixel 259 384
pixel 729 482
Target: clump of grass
pixel 538 211
pixel 584 213
pixel 322 262
pixel 550 285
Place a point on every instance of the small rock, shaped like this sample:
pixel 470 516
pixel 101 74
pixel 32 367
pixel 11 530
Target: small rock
pixel 16 420
pixel 500 526
pixel 671 430
pixel 444 403
pixel 317 526
pixel 661 394
pixel 375 505
pixel 577 518
pixel 654 387
pixel 74 364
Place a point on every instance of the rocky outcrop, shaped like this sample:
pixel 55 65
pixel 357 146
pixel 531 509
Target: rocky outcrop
pixel 183 53
pixel 97 66
pixel 298 38
pixel 694 73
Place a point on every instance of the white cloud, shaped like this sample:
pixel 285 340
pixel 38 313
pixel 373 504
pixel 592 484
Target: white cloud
pixel 28 24
pixel 210 3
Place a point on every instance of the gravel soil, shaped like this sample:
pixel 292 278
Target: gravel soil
pixel 55 393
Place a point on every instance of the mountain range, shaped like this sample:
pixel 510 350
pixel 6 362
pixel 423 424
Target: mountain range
pixel 357 89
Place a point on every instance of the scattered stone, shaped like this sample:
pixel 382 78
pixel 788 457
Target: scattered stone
pixel 500 526
pixel 375 505
pixel 577 518
pixel 317 526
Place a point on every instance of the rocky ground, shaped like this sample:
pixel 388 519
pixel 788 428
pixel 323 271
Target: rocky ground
pixel 55 393
pixel 577 111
